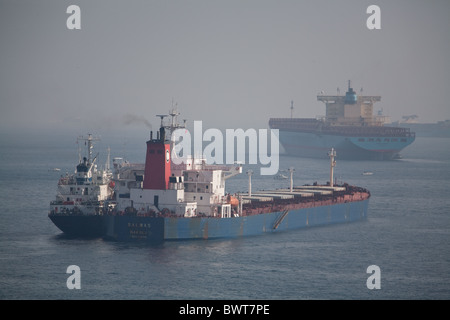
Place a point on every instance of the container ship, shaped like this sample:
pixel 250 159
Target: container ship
pixel 160 200
pixel 349 126
pixel 439 129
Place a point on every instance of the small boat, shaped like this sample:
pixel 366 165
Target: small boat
pixel 280 176
pixel 367 173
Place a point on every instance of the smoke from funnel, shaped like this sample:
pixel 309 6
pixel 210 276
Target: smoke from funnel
pixel 129 119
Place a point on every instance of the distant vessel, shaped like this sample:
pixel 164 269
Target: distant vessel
pixel 349 126
pixel 439 129
pixel 160 200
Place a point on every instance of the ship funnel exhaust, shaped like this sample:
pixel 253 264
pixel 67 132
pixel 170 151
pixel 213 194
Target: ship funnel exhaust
pixel 157 162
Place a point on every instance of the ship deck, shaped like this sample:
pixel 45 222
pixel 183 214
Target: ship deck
pixel 266 201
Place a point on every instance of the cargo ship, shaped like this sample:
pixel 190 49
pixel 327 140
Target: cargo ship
pixel 439 129
pixel 160 200
pixel 349 126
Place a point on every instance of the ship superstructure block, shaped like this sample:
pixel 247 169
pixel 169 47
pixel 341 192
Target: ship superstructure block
pixel 351 109
pixel 160 189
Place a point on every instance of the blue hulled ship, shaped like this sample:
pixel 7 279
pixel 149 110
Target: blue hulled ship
pixel 162 200
pixel 349 126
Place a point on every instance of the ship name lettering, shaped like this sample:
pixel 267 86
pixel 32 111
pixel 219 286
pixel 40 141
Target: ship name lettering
pixel 138 225
pixel 138 232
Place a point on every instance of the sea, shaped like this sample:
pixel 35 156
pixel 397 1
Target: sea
pixel 406 235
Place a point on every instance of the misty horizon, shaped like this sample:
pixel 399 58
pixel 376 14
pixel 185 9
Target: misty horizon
pixel 230 64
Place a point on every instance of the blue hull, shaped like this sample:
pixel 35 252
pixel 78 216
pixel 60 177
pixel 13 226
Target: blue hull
pixel 151 229
pixel 355 148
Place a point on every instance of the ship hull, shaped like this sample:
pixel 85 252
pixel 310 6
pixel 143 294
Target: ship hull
pixel 317 145
pixel 80 225
pixel 151 229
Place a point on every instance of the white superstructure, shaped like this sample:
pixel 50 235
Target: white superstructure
pixel 188 189
pixel 86 190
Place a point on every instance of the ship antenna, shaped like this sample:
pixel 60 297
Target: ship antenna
pixel 90 146
pixel 292 109
pixel 174 113
pixel 332 154
pixel 79 151
pixel 162 116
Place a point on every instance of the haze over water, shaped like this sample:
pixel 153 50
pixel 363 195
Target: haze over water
pixel 230 64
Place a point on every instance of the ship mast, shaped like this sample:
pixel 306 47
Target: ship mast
pixel 90 139
pixel 292 109
pixel 250 172
pixel 174 113
pixel 174 122
pixel 332 154
pixel 108 160
pixel 291 170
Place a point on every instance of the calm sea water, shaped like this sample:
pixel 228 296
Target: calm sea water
pixel 407 234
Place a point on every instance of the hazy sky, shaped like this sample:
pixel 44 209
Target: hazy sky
pixel 230 63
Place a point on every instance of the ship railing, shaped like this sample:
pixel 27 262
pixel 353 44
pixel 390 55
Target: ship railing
pixel 66 180
pixel 77 212
pixel 88 203
pixel 351 194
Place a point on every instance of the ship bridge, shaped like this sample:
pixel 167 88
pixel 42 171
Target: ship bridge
pixel 351 109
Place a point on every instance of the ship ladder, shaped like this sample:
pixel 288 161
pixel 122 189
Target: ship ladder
pixel 280 219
